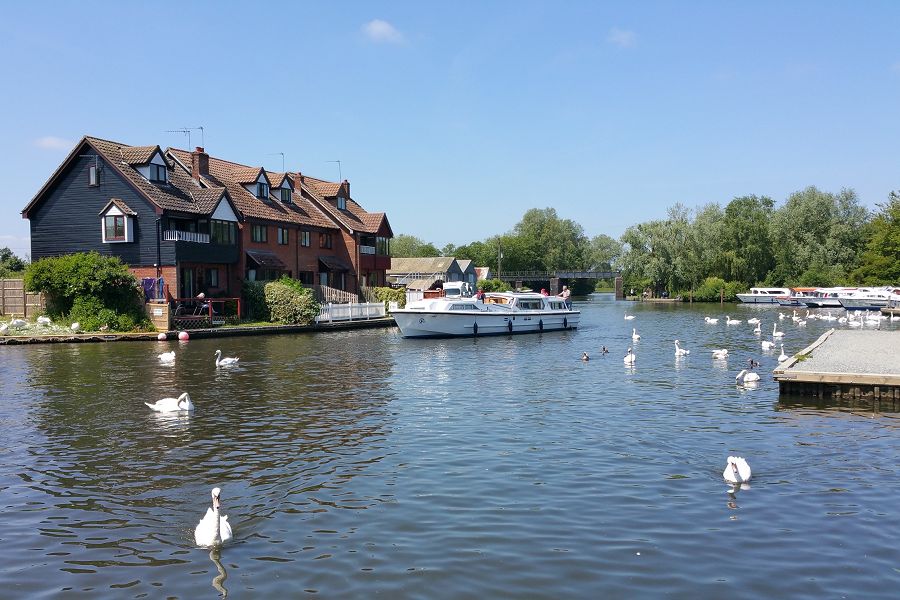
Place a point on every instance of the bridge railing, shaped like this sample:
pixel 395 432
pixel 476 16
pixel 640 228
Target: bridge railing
pixel 541 275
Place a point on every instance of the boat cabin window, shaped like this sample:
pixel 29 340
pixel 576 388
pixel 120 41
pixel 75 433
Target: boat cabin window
pixel 558 305
pixel 467 306
pixel 530 304
pixel 496 300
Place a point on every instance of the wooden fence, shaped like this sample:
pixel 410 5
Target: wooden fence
pixel 16 302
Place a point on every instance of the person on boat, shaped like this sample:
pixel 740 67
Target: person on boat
pixel 479 296
pixel 544 292
pixel 564 294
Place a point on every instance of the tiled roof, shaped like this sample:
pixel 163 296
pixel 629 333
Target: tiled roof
pixel 300 212
pixel 138 155
pixel 321 187
pixel 118 203
pixel 353 217
pixel 425 266
pixel 179 194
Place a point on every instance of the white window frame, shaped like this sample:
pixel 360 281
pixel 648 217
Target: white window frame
pixel 114 211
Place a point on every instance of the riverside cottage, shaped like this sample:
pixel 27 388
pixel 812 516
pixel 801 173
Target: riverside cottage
pixel 205 224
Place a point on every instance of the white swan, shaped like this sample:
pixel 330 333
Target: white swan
pixel 767 345
pixel 628 317
pixel 753 321
pixel 42 320
pixel 782 357
pixel 75 326
pixel 679 351
pixel 746 376
pixel 182 402
pixel 775 332
pixel 213 529
pixel 18 323
pixel 720 353
pixel 629 358
pixel 634 334
pixel 710 321
pixel 758 329
pixel 730 321
pixel 4 328
pixel 225 362
pixel 167 357
pixel 736 470
pixel 801 323
pixel 794 317
pixel 780 316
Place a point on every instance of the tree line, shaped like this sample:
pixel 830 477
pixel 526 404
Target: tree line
pixel 814 238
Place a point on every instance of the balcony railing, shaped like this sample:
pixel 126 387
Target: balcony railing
pixel 367 249
pixel 173 235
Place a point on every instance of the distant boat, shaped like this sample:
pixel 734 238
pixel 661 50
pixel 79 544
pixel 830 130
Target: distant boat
pixel 764 295
pixel 867 298
pixel 498 313
pixel 797 296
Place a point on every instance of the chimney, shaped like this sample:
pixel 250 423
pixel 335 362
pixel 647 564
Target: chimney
pixel 199 163
pixel 346 186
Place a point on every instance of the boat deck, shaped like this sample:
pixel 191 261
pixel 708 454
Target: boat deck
pixel 845 364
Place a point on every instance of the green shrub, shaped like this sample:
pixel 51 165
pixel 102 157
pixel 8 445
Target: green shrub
pixel 387 294
pixel 92 315
pixel 62 279
pixel 289 303
pixel 711 287
pixel 254 295
pixel 493 285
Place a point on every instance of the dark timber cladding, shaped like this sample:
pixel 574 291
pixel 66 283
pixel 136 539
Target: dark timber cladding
pixel 845 364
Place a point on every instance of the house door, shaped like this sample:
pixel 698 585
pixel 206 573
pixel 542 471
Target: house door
pixel 186 283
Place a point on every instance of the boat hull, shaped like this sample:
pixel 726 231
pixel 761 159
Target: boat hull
pixel 757 299
pixel 419 324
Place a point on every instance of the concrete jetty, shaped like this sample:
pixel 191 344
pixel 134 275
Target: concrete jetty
pixel 845 364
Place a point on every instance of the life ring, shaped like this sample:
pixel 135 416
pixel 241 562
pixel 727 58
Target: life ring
pixel 475 330
pixel 541 325
pixel 509 326
pixel 565 323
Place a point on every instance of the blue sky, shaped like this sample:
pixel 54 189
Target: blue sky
pixel 455 118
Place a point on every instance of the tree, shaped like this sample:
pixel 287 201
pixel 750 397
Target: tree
pixel 409 246
pixel 544 242
pixel 880 262
pixel 10 264
pixel 746 240
pixel 603 253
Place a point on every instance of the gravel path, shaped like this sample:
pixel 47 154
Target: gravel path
pixel 864 352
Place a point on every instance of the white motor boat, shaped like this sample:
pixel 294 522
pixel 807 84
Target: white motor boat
pixel 827 297
pixel 764 295
pixel 497 313
pixel 866 299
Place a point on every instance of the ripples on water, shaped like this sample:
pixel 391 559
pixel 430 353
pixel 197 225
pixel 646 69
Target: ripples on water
pixel 354 464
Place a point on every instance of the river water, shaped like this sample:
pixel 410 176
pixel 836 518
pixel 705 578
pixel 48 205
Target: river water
pixel 360 464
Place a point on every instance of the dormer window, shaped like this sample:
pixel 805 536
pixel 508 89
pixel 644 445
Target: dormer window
pixel 341 203
pixel 262 190
pixel 117 223
pixel 286 195
pixel 114 228
pixel 158 173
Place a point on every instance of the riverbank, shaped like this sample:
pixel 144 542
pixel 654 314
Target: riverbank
pixel 213 332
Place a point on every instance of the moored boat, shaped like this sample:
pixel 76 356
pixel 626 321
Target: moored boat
pixel 827 297
pixel 867 299
pixel 498 313
pixel 764 295
pixel 797 296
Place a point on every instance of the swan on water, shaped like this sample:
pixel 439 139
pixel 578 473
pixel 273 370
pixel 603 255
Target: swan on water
pixel 634 334
pixel 679 351
pixel 213 529
pixel 629 358
pixel 753 321
pixel 794 317
pixel 720 353
pixel 730 321
pixel 167 357
pixel 182 402
pixel 628 317
pixel 736 470
pixel 780 316
pixel 801 323
pixel 775 332
pixel 710 321
pixel 225 362
pixel 767 345
pixel 747 376
pixel 782 357
pixel 758 329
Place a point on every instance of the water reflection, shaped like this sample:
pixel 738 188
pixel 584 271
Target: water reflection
pixel 218 581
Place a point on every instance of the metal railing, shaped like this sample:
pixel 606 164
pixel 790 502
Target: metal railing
pixel 174 235
pixel 367 249
pixel 353 311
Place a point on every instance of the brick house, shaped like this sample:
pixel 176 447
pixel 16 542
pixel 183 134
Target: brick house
pixel 203 223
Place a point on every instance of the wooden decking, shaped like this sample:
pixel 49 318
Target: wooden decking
pixel 845 364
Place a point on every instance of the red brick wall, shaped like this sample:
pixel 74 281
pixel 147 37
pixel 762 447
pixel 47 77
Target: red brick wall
pixel 168 274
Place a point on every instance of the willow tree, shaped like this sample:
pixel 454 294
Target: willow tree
pixel 880 261
pixel 746 239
